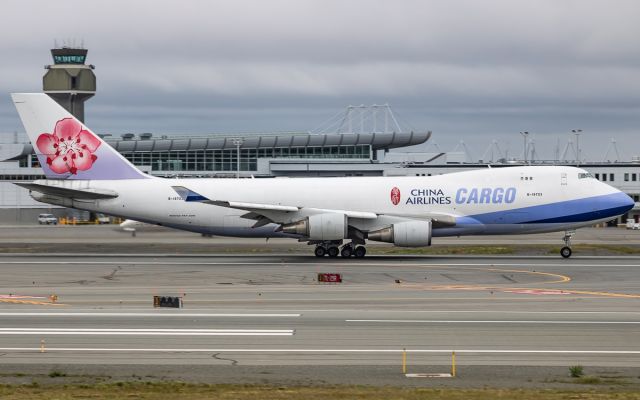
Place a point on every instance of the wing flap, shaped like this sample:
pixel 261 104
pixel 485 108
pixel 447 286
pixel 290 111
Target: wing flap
pixel 191 196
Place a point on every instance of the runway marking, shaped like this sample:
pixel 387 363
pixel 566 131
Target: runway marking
pixel 437 321
pixel 145 332
pixel 469 311
pixel 530 290
pixel 320 351
pixel 32 302
pixel 560 278
pixel 471 266
pixel 605 294
pixel 525 290
pixel 539 292
pixel 429 375
pixel 274 313
pixel 126 314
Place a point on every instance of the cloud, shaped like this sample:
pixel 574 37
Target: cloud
pixel 464 68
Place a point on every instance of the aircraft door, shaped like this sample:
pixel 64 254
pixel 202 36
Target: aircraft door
pixel 563 179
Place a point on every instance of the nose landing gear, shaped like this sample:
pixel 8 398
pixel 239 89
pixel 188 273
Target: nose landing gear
pixel 565 252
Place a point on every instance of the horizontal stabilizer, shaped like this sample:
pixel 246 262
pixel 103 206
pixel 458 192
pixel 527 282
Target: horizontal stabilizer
pixel 78 194
pixel 189 195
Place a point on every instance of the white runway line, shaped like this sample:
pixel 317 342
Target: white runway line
pixel 145 332
pixel 158 314
pixel 436 321
pixel 319 351
pixel 479 312
pixel 300 312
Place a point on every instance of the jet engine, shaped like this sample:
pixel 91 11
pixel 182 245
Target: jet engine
pixel 329 226
pixel 47 198
pixel 405 234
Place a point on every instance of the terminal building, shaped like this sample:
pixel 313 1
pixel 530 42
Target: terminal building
pixel 372 145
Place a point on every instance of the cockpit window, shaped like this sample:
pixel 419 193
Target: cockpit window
pixel 584 175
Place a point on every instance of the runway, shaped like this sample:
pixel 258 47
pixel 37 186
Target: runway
pixel 271 311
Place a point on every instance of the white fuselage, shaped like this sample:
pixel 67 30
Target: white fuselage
pixel 489 201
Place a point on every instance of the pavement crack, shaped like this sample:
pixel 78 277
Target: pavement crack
pixel 450 277
pixel 509 278
pixel 113 273
pixel 217 357
pixel 82 282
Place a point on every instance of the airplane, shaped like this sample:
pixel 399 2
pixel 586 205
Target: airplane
pixel 337 215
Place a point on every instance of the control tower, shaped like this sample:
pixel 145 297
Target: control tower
pixel 70 81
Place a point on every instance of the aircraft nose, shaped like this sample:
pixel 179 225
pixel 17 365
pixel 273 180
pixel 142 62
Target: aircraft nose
pixel 626 202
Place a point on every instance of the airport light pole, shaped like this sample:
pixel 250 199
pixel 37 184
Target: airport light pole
pixel 525 135
pixel 237 142
pixel 577 133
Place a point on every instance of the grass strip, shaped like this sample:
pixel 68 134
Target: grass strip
pixel 184 391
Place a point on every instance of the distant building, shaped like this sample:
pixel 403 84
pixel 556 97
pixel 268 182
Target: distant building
pixel 275 155
pixel 70 81
pixel 353 143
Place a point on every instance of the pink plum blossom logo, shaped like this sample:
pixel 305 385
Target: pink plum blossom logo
pixel 70 148
pixel 395 196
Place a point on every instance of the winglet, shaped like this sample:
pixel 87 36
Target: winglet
pixel 188 194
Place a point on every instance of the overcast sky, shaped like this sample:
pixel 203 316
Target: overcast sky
pixel 471 70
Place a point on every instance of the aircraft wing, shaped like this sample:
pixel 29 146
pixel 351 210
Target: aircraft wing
pixel 262 209
pixel 71 193
pixel 277 213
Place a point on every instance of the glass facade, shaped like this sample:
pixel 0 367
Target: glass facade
pixel 226 160
pixel 69 59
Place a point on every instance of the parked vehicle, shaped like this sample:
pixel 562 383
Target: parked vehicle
pixel 103 219
pixel 47 219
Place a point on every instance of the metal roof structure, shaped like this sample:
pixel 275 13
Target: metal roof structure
pixel 377 141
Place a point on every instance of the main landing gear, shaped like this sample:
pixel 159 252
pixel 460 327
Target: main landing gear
pixel 565 252
pixel 332 250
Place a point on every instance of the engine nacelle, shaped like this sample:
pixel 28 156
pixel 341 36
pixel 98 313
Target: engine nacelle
pixel 328 226
pixel 47 198
pixel 405 234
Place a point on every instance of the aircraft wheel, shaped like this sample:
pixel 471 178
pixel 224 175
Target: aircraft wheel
pixel 565 252
pixel 320 251
pixel 347 251
pixel 333 251
pixel 360 252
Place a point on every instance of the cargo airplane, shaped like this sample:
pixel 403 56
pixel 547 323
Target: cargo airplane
pixel 337 215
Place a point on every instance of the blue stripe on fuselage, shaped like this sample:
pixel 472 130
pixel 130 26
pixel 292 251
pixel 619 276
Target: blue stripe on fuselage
pixel 579 210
